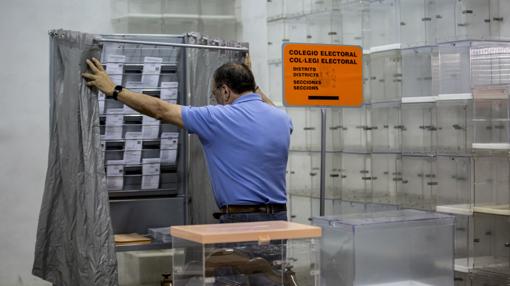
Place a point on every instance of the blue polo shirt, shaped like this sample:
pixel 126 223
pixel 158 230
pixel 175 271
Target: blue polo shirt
pixel 246 146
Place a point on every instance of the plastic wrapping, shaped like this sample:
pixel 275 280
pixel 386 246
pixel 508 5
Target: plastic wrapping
pixel 75 243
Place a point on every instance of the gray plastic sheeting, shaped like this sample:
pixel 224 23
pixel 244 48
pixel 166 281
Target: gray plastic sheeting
pixel 75 243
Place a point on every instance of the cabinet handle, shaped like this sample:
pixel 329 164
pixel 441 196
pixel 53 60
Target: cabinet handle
pixel 467 12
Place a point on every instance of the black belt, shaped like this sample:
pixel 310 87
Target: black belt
pixel 237 209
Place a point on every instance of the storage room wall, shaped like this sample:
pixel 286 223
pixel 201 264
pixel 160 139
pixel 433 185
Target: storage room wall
pixel 24 115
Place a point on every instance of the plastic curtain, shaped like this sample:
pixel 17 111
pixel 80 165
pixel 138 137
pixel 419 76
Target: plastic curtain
pixel 75 244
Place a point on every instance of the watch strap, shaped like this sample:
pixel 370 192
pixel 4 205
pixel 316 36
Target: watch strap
pixel 116 91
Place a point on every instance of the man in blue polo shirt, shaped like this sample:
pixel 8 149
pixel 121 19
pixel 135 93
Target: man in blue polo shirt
pixel 245 139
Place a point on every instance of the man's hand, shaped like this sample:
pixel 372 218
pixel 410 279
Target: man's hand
pixel 98 78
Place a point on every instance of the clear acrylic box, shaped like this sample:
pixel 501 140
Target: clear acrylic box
pixel 472 19
pixel 307 128
pixel 403 247
pixel 491 119
pixel 367 93
pixel 489 63
pixel 355 129
pixel 334 129
pixel 499 10
pixel 334 175
pixel 385 76
pixel 254 253
pixel 386 127
pixel 387 177
pixel 323 27
pixel 294 8
pixel 275 9
pixel 417 72
pixel 416 18
pixel 454 176
pixel 276 36
pixel 275 91
pixel 454 69
pixel 454 132
pixel 300 208
pixel 357 177
pixel 491 243
pixel 419 130
pixel 353 14
pixel 492 184
pixel 383 22
pixel 419 183
pixel 304 173
pixel 444 20
pixel 341 207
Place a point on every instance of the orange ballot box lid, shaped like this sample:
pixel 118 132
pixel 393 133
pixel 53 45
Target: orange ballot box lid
pixel 247 231
pixel 322 75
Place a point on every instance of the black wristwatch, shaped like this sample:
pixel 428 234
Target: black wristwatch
pixel 116 91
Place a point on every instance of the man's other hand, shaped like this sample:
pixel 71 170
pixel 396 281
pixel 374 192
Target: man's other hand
pixel 98 78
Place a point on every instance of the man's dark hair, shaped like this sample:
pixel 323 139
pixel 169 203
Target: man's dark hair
pixel 237 77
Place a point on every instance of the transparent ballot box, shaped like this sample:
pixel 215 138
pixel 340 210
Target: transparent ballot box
pixel 382 23
pixel 416 23
pixel 464 231
pixel 386 177
pixel 454 132
pixel 419 182
pixel 334 129
pixel 491 247
pixel 341 207
pixel 352 14
pixel 303 170
pixel 454 177
pixel 402 247
pixel 385 76
pixel 355 129
pixel 417 72
pixel 467 64
pixel 307 128
pixel 419 129
pixel 356 177
pixel 254 253
pixel 491 119
pixel 322 27
pixel 492 182
pixel 386 127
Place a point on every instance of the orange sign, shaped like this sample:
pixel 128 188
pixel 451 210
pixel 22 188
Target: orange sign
pixel 322 75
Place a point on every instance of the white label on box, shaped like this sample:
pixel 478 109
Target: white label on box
pixel 115 67
pixel 168 149
pixel 113 126
pixel 150 173
pixel 150 127
pixel 115 175
pixel 151 71
pixel 169 91
pixel 101 98
pixel 133 148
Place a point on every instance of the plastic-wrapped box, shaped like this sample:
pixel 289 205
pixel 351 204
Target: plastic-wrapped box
pixel 491 245
pixel 454 129
pixel 385 76
pixel 304 169
pixel 403 247
pixel 356 178
pixel 416 23
pixel 417 73
pixel 454 176
pixel 419 182
pixel 386 127
pixel 491 119
pixel 307 128
pixel 383 22
pixel 419 129
pixel 386 177
pixel 255 253
pixel 492 184
pixel 355 129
